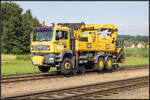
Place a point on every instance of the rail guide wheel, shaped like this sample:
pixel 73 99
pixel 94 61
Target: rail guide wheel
pixel 100 65
pixel 44 68
pixel 75 71
pixel 66 66
pixel 82 69
pixel 116 67
pixel 109 63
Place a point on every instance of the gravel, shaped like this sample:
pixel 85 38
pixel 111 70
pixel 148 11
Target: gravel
pixel 139 93
pixel 52 84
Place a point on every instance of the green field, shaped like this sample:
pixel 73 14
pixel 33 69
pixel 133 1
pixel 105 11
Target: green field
pixel 21 64
pixel 23 67
pixel 135 61
pixel 137 52
pixel 19 67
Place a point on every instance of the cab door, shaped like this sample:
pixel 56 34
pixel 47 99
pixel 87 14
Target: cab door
pixel 90 40
pixel 62 36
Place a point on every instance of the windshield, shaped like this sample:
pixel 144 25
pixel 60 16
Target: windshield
pixel 43 35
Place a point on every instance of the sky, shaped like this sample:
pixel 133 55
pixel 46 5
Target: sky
pixel 131 18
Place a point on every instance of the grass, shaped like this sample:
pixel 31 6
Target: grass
pixel 20 67
pixel 18 64
pixel 5 57
pixel 135 61
pixel 21 64
pixel 23 67
pixel 137 52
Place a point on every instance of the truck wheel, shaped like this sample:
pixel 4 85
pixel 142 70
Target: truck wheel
pixel 100 64
pixel 109 63
pixel 44 68
pixel 66 66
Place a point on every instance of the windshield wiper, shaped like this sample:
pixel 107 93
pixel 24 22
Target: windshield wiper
pixel 44 40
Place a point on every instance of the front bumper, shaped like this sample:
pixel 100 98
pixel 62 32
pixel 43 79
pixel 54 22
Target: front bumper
pixel 43 59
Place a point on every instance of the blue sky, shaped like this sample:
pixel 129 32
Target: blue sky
pixel 130 17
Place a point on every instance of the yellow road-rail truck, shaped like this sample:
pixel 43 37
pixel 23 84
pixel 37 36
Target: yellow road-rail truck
pixel 76 47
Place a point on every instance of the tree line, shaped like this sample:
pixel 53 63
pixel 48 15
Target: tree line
pixel 16 28
pixel 134 39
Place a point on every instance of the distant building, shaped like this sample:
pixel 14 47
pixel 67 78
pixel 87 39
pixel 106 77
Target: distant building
pixel 141 45
pixel 147 44
pixel 129 45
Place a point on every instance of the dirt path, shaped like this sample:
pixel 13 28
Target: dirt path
pixel 52 84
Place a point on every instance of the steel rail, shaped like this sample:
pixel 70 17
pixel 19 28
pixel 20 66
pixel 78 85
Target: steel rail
pixel 101 89
pixel 39 76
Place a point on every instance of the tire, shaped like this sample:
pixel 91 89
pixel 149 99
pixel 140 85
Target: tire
pixel 66 66
pixel 44 69
pixel 100 65
pixel 109 64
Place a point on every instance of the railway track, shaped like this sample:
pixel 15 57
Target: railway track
pixel 39 76
pixel 92 91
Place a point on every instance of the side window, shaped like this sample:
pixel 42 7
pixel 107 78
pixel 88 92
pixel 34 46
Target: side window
pixel 64 35
pixel 61 35
pixel 85 33
pixel 104 32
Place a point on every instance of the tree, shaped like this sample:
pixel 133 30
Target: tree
pixel 11 23
pixel 134 39
pixel 28 23
pixel 16 29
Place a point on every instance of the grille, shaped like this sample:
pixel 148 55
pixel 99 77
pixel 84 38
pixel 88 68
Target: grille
pixel 41 48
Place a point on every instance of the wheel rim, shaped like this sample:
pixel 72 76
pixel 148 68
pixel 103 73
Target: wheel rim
pixel 101 64
pixel 109 63
pixel 67 65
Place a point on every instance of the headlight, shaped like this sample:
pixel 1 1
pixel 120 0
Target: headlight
pixel 48 47
pixel 51 60
pixel 32 47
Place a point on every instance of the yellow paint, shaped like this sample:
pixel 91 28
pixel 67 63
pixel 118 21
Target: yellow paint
pixel 38 60
pixel 118 50
pixel 109 63
pixel 67 65
pixel 101 64
pixel 97 42
pixel 54 44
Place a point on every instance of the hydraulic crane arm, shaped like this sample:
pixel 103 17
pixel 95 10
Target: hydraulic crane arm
pixel 111 28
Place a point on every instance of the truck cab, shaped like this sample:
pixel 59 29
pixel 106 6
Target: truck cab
pixel 46 45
